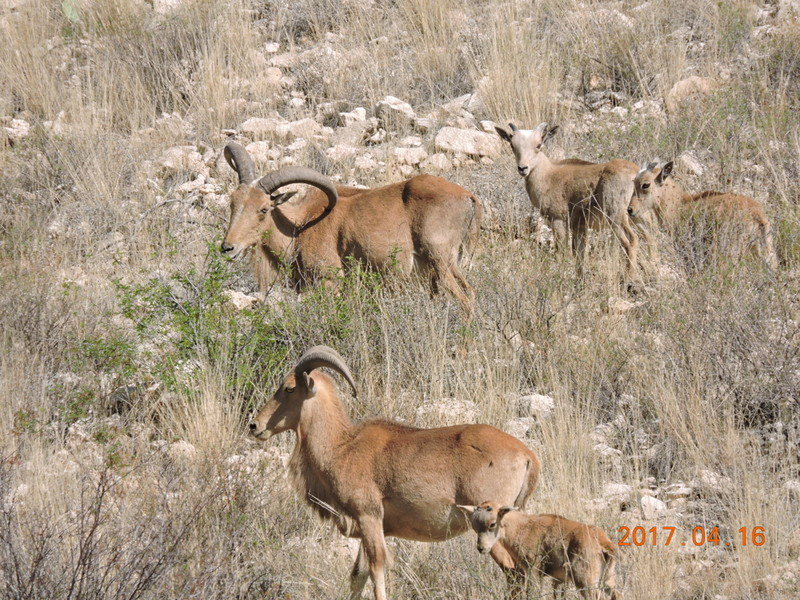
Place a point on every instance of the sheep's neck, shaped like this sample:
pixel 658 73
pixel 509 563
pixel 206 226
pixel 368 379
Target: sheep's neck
pixel 323 426
pixel 520 538
pixel 537 178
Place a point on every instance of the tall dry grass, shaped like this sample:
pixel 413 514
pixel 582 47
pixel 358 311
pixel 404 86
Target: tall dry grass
pixel 125 380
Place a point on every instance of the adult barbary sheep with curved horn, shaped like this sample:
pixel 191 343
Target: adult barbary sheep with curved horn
pixel 383 479
pixel 421 224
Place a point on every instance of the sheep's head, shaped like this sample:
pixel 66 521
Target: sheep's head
pixel 253 202
pixel 486 519
pixel 284 410
pixel 527 144
pixel 648 186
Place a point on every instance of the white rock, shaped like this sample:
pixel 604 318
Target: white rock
pixel 468 141
pixel 181 451
pixel 537 405
pixel 393 113
pixel 690 164
pixel 411 140
pixel 619 306
pixel 262 125
pixel 687 90
pixel 240 300
pixel 365 163
pixel 436 162
pixel 652 507
pixel 165 6
pixel 488 127
pixel 410 156
pixel 519 427
pixel 677 490
pixel 18 130
pixel 259 151
pixel 272 47
pixel 341 152
pixel 273 76
pixel 793 486
pixel 191 186
pixel 617 491
pixel 449 410
pixel 352 134
pixel 183 158
pixel 348 118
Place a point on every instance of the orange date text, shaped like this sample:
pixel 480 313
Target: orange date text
pixel 699 536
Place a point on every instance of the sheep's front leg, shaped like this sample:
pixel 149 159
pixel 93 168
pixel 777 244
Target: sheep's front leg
pixel 359 574
pixel 559 227
pixel 630 242
pixel 374 546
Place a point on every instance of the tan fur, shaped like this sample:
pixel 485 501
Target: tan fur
pixel 656 190
pixel 417 225
pixel 380 479
pixel 564 550
pixel 575 194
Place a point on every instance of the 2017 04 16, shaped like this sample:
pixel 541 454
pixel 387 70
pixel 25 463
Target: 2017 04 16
pixel 639 536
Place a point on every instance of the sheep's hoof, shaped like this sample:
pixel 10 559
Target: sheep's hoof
pixel 636 288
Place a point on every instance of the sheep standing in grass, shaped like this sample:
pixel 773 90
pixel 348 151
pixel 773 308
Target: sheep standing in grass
pixel 742 218
pixel 564 550
pixel 575 195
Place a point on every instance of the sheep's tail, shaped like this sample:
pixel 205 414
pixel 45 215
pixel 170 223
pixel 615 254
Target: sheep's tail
pixel 470 242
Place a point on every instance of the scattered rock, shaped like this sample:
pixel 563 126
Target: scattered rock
pixel 348 118
pixel 262 152
pixel 519 427
pixel 436 162
pixel 468 141
pixel 410 156
pixel 619 492
pixel 393 113
pixel 677 490
pixel 341 152
pixel 181 451
pixel 449 410
pixel 365 163
pixel 688 90
pixel 183 158
pixel 537 405
pixel 262 125
pixel 690 164
pixel 18 130
pixel 619 306
pixel 652 507
pixel 353 134
pixel 240 300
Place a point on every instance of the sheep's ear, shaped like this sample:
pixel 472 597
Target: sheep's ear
pixel 503 134
pixel 550 133
pixel 666 171
pixel 467 509
pixel 504 510
pixel 308 381
pixel 279 199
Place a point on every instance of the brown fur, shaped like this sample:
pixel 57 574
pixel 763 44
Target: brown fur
pixel 380 479
pixel 564 550
pixel 656 190
pixel 417 225
pixel 574 194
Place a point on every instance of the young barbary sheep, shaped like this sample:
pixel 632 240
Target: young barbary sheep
pixel 381 478
pixel 564 550
pixel 419 225
pixel 744 218
pixel 575 194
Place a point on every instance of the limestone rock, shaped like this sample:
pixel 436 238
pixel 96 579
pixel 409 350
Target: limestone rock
pixel 537 405
pixel 436 162
pixel 468 141
pixel 410 156
pixel 394 113
pixel 652 507
pixel 183 158
pixel 687 90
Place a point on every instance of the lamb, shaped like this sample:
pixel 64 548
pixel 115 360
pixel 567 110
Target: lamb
pixel 656 190
pixel 564 550
pixel 575 194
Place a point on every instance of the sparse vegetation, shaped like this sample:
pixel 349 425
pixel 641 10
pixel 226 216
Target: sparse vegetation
pixel 128 374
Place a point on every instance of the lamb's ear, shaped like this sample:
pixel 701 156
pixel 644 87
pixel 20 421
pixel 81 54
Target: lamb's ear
pixel 467 509
pixel 666 171
pixel 550 133
pixel 503 134
pixel 503 510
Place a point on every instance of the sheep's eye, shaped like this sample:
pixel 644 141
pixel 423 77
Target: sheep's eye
pixel 645 186
pixel 492 525
pixel 264 210
pixel 289 390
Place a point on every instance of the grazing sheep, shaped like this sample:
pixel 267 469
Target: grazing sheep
pixel 564 550
pixel 381 478
pixel 575 194
pixel 417 225
pixel 656 190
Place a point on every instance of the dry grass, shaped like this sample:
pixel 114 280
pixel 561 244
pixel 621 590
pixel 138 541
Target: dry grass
pixel 125 382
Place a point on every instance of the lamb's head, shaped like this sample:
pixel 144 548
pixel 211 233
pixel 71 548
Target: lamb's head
pixel 285 409
pixel 527 144
pixel 487 521
pixel 648 186
pixel 253 202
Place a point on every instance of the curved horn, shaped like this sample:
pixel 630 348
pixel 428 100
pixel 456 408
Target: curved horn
pixel 271 182
pixel 240 161
pixel 324 356
pixel 541 127
pixel 513 127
